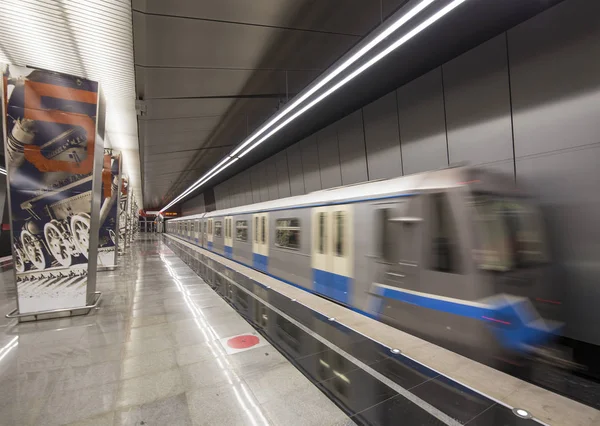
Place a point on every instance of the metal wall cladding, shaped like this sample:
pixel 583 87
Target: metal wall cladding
pixel 477 97
pixel 351 139
pixel 382 138
pixel 329 157
pixel 310 164
pixel 421 117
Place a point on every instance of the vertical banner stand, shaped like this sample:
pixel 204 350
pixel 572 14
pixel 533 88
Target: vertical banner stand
pixel 53 131
pixel 123 199
pixel 108 238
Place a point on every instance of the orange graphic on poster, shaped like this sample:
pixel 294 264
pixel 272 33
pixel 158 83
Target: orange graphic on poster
pixel 33 110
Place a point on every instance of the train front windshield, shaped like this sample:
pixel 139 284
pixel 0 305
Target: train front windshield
pixel 510 233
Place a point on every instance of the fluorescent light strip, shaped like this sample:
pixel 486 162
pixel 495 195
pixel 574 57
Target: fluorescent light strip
pixel 362 68
pixel 365 49
pixel 223 165
pixel 428 22
pixel 2 171
pixel 198 182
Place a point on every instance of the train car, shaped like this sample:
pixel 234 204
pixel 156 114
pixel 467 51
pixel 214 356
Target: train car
pixel 457 256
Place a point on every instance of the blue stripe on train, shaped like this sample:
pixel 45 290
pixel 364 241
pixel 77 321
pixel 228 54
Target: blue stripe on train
pixel 210 245
pixel 334 286
pixel 507 318
pixel 260 262
pixel 510 319
pixel 228 252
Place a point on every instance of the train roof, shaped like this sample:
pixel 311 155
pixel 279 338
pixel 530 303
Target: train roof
pixel 380 189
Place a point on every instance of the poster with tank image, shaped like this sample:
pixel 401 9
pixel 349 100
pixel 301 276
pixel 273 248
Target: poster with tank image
pixel 50 125
pixel 109 224
pixel 123 203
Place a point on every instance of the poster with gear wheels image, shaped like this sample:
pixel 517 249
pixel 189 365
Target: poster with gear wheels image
pixel 50 143
pixel 109 215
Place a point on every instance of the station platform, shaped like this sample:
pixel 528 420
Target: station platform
pixel 186 337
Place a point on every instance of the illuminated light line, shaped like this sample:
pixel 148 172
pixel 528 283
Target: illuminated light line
pixel 364 50
pixel 554 302
pixel 228 161
pixel 8 347
pixel 402 40
pixel 296 102
pixel 197 184
pixel 428 22
pixel 2 171
pixel 495 320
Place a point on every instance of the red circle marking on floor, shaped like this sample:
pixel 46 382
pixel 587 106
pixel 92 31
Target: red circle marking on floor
pixel 243 342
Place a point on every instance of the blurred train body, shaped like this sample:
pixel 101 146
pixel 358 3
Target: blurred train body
pixel 456 256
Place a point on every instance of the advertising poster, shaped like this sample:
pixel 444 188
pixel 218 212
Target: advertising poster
pixel 49 140
pixel 123 216
pixel 109 214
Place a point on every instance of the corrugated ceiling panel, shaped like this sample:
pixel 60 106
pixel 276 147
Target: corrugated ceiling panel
pixel 88 38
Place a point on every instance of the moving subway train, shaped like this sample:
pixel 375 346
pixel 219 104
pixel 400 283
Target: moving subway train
pixel 456 256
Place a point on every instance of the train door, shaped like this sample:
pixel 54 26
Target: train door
pixel 209 242
pixel 333 252
pixel 228 239
pixel 197 231
pixel 260 241
pixel 442 268
pixel 204 232
pixel 407 255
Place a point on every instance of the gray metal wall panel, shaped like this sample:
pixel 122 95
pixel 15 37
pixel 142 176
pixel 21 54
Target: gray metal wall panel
pixel 294 156
pixel 272 179
pixel 262 175
pixel 283 176
pixel 329 157
pixel 248 198
pixel 566 182
pixel 351 140
pixel 255 178
pixel 226 196
pixel 192 206
pixel 310 164
pixel 422 123
pixel 478 104
pixel 555 69
pixel 382 139
pixel 218 197
pixel 236 191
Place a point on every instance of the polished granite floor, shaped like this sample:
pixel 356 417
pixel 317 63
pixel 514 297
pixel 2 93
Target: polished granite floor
pixel 150 355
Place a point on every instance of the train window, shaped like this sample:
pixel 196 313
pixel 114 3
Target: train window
pixel 338 241
pixel 264 230
pixel 510 231
pixel 226 228
pixel 230 227
pixel 256 229
pixel 444 253
pixel 218 228
pixel 322 244
pixel 287 233
pixel 241 230
pixel 204 226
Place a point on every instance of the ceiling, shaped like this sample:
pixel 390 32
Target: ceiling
pixel 87 38
pixel 209 73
